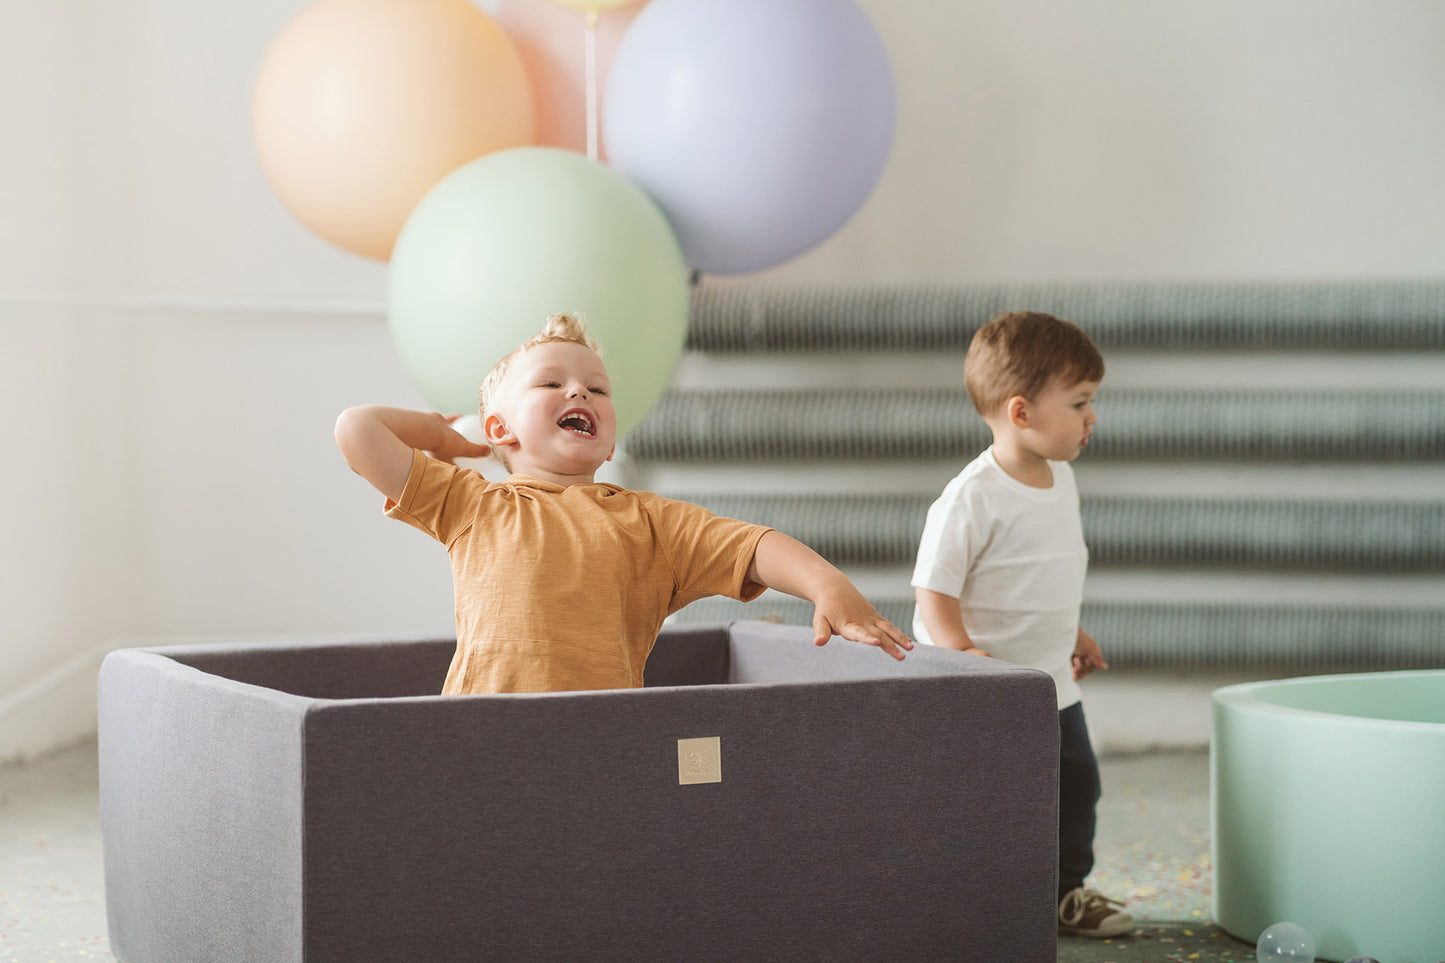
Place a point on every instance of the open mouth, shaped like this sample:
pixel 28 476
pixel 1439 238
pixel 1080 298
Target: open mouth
pixel 579 423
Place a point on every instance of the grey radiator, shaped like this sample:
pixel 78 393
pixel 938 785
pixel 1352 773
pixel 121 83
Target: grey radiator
pixel 907 317
pixel 1293 575
pixel 724 425
pixel 1272 534
pixel 1192 635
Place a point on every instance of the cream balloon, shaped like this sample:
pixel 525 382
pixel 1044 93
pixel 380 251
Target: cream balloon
pixel 362 106
pixel 598 5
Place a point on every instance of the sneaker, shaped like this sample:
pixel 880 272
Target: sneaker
pixel 1087 912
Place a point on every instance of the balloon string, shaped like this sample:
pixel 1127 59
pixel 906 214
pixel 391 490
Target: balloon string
pixel 592 84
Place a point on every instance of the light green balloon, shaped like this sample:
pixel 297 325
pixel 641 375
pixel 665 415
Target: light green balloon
pixel 514 236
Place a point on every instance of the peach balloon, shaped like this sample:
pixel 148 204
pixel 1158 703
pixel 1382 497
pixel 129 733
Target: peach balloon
pixel 362 106
pixel 552 41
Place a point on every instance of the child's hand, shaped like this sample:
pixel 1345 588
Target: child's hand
pixel 786 564
pixel 453 444
pixel 1087 656
pixel 846 612
pixel 977 651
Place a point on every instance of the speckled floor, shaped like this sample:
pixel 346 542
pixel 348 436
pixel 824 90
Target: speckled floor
pixel 52 891
pixel 1152 851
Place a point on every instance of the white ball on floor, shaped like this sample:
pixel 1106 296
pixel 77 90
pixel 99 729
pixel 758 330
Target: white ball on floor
pixel 1286 941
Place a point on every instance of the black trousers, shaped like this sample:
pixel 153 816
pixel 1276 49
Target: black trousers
pixel 1079 791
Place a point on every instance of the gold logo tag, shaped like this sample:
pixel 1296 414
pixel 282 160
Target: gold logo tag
pixel 699 760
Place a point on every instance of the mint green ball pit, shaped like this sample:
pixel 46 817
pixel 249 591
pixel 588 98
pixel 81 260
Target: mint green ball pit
pixel 1327 803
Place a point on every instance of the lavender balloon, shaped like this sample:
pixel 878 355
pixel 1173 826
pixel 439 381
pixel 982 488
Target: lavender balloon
pixel 759 126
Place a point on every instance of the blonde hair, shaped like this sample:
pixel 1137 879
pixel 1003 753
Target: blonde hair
pixel 566 326
pixel 1020 353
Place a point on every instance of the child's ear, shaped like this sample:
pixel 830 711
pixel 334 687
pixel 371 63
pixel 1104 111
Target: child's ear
pixel 1016 409
pixel 497 431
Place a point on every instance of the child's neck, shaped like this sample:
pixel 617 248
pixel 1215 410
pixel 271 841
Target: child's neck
pixel 1022 465
pixel 521 466
pixel 566 481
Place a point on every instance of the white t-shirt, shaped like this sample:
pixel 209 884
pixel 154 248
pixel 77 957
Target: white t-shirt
pixel 1014 557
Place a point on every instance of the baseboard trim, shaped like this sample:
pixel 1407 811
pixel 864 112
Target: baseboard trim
pixel 56 710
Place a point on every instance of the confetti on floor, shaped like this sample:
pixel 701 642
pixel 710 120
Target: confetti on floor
pixel 1152 850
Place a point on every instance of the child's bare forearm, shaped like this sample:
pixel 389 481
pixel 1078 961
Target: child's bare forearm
pixel 378 441
pixel 420 430
pixel 370 439
pixel 944 620
pixel 786 564
pixel 782 562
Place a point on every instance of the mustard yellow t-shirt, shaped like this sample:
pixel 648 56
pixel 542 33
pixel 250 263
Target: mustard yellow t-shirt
pixel 564 588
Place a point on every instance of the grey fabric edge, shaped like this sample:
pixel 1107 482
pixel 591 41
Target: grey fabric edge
pixel 200 789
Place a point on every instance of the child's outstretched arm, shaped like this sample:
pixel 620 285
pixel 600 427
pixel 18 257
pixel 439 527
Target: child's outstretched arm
pixel 943 618
pixel 377 443
pixel 786 564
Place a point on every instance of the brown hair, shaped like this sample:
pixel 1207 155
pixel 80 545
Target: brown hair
pixel 1021 352
pixel 559 327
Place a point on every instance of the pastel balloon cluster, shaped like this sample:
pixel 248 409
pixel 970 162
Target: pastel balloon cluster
pixel 426 133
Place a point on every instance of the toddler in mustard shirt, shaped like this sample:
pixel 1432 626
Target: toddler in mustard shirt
pixel 561 582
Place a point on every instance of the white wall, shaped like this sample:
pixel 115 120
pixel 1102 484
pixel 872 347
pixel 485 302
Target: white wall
pixel 170 476
pixel 1128 139
pixel 174 347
